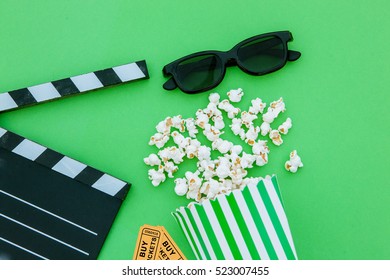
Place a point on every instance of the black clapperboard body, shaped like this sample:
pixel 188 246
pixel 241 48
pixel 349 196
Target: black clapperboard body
pixel 52 206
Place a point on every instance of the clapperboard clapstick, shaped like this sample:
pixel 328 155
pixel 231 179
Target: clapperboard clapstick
pixel 74 85
pixel 52 206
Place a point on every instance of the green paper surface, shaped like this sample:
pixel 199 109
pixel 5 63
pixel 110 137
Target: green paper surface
pixel 337 95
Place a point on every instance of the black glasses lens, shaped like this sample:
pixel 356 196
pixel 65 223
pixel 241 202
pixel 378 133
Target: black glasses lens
pixel 199 72
pixel 262 55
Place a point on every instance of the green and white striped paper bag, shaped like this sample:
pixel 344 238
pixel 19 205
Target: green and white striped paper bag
pixel 246 224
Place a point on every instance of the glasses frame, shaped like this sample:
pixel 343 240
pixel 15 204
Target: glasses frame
pixel 230 58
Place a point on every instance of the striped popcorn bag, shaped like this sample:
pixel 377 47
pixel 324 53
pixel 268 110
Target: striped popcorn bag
pixel 243 225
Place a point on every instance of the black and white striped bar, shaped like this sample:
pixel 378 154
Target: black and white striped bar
pixel 63 164
pixel 51 206
pixel 74 85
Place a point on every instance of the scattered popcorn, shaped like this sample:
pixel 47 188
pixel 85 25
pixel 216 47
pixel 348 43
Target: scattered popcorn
pixel 251 135
pixel 178 123
pixel 223 146
pixel 218 122
pixel 157 176
pixel 181 186
pixel 275 137
pixel 164 126
pixel 171 153
pixel 247 118
pixel 204 153
pixel 236 126
pixel 214 98
pixel 202 119
pixel 211 132
pixel 294 163
pixel 257 106
pixel 265 128
pixel 159 140
pixel 231 111
pixel 170 168
pixel 152 160
pixel 284 127
pixel 228 172
pixel 191 128
pixel 194 184
pixel 247 160
pixel 235 95
pixel 212 110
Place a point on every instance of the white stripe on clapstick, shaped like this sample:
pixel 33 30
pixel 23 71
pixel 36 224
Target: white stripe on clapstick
pixel 128 72
pixel 44 234
pixel 280 212
pixel 22 248
pixel 251 224
pixel 227 211
pixel 109 184
pixel 29 149
pixel 47 212
pixel 267 222
pixel 44 92
pixel 86 82
pixel 2 131
pixel 217 230
pixel 69 167
pixel 6 102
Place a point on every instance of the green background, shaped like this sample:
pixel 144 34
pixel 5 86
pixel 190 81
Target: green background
pixel 337 95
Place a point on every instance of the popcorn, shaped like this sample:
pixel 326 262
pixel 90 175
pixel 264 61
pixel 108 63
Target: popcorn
pixel 204 153
pixel 275 137
pixel 194 184
pixel 228 108
pixel 181 186
pixel 170 168
pixel 247 160
pixel 159 140
pixel 257 106
pixel 247 118
pixel 214 98
pixel 278 105
pixel 284 127
pixel 236 126
pixel 178 138
pixel 265 128
pixel 223 146
pixel 152 160
pixel 202 119
pixel 192 149
pixel 157 176
pixel 229 171
pixel 164 126
pixel 178 123
pixel 274 110
pixel 212 110
pixel 218 122
pixel 191 128
pixel 251 135
pixel 294 163
pixel 211 132
pixel 235 95
pixel 260 147
pixel 171 153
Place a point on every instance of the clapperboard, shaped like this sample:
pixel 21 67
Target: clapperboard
pixel 52 206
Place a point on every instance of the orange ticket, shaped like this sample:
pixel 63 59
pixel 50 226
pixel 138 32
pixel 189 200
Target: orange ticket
pixel 154 243
pixel 148 243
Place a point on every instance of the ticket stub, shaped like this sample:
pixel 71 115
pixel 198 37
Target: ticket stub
pixel 148 243
pixel 155 243
pixel 168 248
